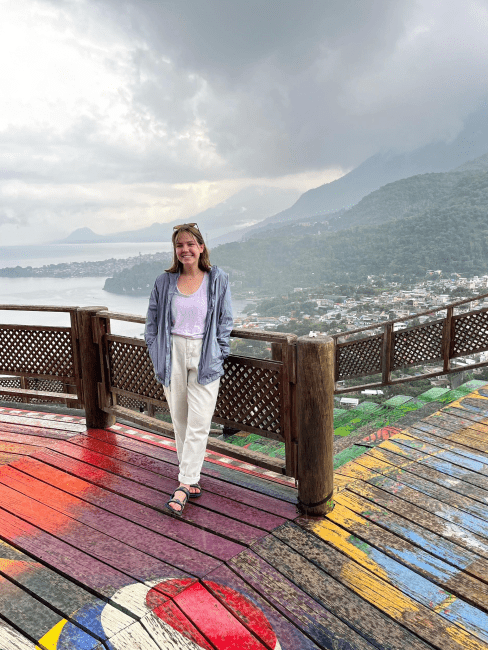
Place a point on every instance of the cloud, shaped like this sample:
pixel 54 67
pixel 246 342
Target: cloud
pixel 111 95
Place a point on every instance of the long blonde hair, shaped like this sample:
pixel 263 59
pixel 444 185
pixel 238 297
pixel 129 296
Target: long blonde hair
pixel 203 260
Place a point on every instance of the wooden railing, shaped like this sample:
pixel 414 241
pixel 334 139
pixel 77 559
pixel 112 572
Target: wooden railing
pixel 437 341
pixel 287 398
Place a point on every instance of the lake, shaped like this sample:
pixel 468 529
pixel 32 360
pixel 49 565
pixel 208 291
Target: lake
pixel 80 292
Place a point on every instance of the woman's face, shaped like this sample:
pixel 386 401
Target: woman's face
pixel 188 250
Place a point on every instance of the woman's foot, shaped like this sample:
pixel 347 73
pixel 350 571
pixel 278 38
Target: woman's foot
pixel 195 491
pixel 178 501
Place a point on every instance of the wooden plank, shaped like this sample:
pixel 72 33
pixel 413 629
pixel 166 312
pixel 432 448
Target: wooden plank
pixel 462 443
pixel 161 476
pixel 207 520
pixel 416 573
pixel 15 448
pixel 168 550
pixel 425 494
pixel 321 624
pixel 418 508
pixel 135 563
pixel 11 639
pixel 155 459
pixel 367 620
pixel 247 455
pixel 90 572
pixel 72 602
pixel 449 421
pixel 413 615
pixel 32 435
pixel 155 445
pixel 39 394
pixel 222 581
pixel 406 528
pixel 214 545
pixel 216 623
pixel 42 423
pixel 430 481
pixel 34 619
pixel 475 462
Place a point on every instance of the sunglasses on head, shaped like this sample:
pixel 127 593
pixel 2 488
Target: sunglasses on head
pixel 183 225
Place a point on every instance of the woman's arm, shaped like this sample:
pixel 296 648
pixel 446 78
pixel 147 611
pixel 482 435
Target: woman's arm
pixel 151 330
pixel 225 322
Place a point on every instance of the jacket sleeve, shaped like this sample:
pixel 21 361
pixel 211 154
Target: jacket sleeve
pixel 151 329
pixel 225 322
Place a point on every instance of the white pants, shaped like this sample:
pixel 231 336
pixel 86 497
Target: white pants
pixel 191 406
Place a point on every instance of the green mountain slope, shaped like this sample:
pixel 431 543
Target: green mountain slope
pixel 433 221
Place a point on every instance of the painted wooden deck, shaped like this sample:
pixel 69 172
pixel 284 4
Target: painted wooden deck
pixel 89 561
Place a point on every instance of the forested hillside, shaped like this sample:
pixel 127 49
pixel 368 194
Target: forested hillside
pixel 435 221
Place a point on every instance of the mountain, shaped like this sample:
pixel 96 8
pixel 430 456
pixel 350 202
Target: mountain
pixel 381 169
pixel 428 221
pixel 249 206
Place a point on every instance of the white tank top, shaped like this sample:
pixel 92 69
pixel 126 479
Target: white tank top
pixel 188 313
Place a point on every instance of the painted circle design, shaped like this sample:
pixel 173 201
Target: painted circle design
pixel 149 601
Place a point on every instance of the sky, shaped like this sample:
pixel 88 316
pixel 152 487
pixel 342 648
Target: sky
pixel 115 114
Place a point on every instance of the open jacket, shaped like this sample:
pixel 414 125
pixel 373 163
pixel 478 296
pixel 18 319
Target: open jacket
pixel 218 326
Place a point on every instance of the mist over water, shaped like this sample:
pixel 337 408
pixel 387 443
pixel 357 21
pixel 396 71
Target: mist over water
pixel 76 292
pixel 58 253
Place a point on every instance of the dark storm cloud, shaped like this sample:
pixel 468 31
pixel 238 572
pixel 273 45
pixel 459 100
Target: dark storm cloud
pixel 288 86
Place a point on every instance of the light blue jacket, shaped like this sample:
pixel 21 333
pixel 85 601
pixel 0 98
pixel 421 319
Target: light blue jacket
pixel 218 326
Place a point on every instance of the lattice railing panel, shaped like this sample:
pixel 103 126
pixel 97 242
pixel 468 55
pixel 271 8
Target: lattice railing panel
pixel 251 395
pixel 358 358
pixel 131 403
pixel 40 351
pixel 417 345
pixel 470 333
pixel 10 382
pixel 131 369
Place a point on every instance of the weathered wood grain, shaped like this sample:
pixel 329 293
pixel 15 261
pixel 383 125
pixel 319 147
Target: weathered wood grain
pixel 417 491
pixel 288 633
pixel 41 423
pixel 215 622
pixel 10 639
pixel 328 628
pixel 167 482
pixel 374 509
pixel 413 615
pixel 237 531
pixel 34 619
pixel 424 579
pixel 140 459
pixel 118 528
pixel 420 509
pixel 210 543
pixel 138 565
pixel 248 492
pixel 358 613
pixel 461 443
pixel 427 480
pixel 362 534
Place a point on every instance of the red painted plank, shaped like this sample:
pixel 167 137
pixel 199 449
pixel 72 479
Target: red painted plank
pixel 162 482
pixel 156 459
pixel 215 621
pixel 138 565
pixel 16 448
pixel 44 423
pixel 211 544
pixel 155 545
pixel 97 576
pixel 221 467
pixel 205 519
pixel 288 633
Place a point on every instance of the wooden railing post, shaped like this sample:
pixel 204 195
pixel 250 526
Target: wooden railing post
pixel 91 372
pixel 315 404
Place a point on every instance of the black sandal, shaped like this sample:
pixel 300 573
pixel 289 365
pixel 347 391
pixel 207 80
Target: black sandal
pixel 195 495
pixel 171 511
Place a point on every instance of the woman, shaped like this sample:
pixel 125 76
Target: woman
pixel 188 326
